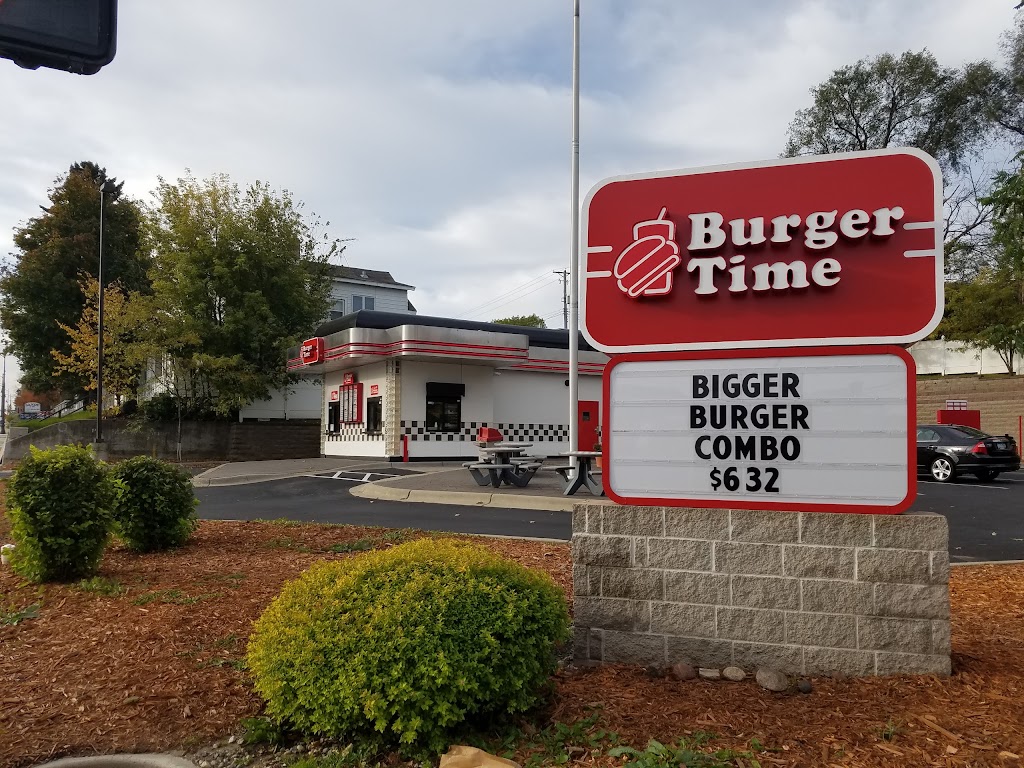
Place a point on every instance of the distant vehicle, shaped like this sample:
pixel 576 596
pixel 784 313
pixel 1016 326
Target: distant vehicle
pixel 946 451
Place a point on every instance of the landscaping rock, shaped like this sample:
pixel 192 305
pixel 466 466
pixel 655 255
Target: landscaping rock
pixel 683 671
pixel 772 679
pixel 734 673
pixel 804 686
pixel 709 674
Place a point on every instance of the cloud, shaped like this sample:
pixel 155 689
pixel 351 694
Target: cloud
pixel 437 134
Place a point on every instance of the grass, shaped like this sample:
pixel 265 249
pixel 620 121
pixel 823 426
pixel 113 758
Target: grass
pixel 13 616
pixel 358 545
pixel 891 730
pixel 172 596
pixel 287 543
pixel 35 424
pixel 686 752
pixel 100 585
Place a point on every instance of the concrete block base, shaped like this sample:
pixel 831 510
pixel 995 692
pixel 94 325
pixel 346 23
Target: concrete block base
pixel 805 593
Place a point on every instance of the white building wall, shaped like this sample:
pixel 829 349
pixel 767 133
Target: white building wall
pixel 541 399
pixel 352 440
pixel 300 401
pixel 477 407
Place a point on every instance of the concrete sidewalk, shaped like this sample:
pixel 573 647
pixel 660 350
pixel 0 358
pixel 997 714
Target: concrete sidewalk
pixel 454 485
pixel 433 482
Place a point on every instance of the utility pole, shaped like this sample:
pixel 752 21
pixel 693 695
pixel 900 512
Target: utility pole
pixel 564 275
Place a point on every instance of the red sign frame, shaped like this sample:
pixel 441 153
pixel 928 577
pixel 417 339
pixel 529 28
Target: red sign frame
pixel 810 251
pixel 726 503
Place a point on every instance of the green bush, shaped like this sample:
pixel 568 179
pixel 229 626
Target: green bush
pixel 157 507
pixel 59 503
pixel 403 645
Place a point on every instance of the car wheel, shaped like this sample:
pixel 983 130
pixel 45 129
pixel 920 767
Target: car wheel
pixel 942 470
pixel 987 474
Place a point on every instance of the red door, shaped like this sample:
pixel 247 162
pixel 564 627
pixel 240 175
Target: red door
pixel 587 421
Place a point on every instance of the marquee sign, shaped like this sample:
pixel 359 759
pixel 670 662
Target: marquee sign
pixel 840 249
pixel 798 429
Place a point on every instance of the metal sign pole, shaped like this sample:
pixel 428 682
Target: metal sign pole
pixel 574 312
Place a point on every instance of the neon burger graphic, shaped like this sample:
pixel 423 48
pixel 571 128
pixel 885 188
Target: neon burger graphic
pixel 645 267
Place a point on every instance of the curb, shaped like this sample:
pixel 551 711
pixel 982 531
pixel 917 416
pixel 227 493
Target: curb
pixel 463 498
pixel 199 482
pixel 121 761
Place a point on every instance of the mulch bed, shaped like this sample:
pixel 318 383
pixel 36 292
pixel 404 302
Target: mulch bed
pixel 156 667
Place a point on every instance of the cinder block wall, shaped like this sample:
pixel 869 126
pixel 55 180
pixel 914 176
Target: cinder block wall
pixel 805 593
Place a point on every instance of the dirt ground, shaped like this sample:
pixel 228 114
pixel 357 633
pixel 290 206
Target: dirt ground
pixel 157 666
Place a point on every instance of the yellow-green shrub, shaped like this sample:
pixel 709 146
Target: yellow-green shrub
pixel 407 643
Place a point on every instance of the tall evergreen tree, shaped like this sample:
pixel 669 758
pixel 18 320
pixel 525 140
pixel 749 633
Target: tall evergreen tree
pixel 41 289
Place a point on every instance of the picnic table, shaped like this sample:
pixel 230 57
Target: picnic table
pixel 504 463
pixel 585 473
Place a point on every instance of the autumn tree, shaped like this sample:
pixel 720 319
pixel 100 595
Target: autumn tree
pixel 988 311
pixel 908 100
pixel 239 275
pixel 526 321
pixel 40 292
pixel 125 316
pixel 1005 105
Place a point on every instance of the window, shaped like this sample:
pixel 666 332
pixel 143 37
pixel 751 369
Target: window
pixel 334 416
pixel 362 302
pixel 350 396
pixel 337 309
pixel 374 416
pixel 444 406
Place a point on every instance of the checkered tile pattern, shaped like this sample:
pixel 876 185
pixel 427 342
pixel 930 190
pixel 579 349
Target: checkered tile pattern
pixel 352 432
pixel 518 433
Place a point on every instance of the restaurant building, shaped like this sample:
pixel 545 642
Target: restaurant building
pixel 409 386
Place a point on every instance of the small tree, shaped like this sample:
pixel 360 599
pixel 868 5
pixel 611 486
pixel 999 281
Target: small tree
pixel 123 325
pixel 525 321
pixel 241 275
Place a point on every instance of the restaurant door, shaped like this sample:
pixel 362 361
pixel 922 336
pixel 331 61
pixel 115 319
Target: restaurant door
pixel 587 425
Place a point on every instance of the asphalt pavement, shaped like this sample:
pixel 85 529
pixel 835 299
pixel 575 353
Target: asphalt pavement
pixel 986 520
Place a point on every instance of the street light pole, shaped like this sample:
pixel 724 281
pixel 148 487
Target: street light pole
pixel 3 395
pixel 99 339
pixel 574 313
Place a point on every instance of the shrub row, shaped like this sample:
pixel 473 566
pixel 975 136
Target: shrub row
pixel 63 505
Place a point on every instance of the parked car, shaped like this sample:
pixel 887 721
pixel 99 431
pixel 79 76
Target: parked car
pixel 945 451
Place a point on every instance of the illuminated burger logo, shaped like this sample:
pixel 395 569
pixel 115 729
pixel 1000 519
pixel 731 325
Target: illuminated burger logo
pixel 645 267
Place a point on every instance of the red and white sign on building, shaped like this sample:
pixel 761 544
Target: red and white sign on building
pixel 746 308
pixel 839 249
pixel 312 351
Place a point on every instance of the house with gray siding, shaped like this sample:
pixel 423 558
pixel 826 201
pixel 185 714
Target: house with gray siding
pixel 354 289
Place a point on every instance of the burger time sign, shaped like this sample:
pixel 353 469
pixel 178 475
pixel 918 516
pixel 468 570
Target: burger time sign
pixel 751 313
pixel 841 249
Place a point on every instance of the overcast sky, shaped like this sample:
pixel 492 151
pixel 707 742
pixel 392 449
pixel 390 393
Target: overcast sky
pixel 437 134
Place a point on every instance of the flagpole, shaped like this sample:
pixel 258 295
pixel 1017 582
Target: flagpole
pixel 574 311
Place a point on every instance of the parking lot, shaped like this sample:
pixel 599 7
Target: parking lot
pixel 986 519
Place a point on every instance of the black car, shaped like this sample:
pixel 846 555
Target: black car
pixel 947 450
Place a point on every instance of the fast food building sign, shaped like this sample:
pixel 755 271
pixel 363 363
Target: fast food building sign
pixel 803 255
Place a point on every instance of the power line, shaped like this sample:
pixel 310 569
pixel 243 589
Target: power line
pixel 480 307
pixel 512 300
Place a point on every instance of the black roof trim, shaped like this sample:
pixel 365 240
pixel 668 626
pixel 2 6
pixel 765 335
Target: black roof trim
pixel 551 338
